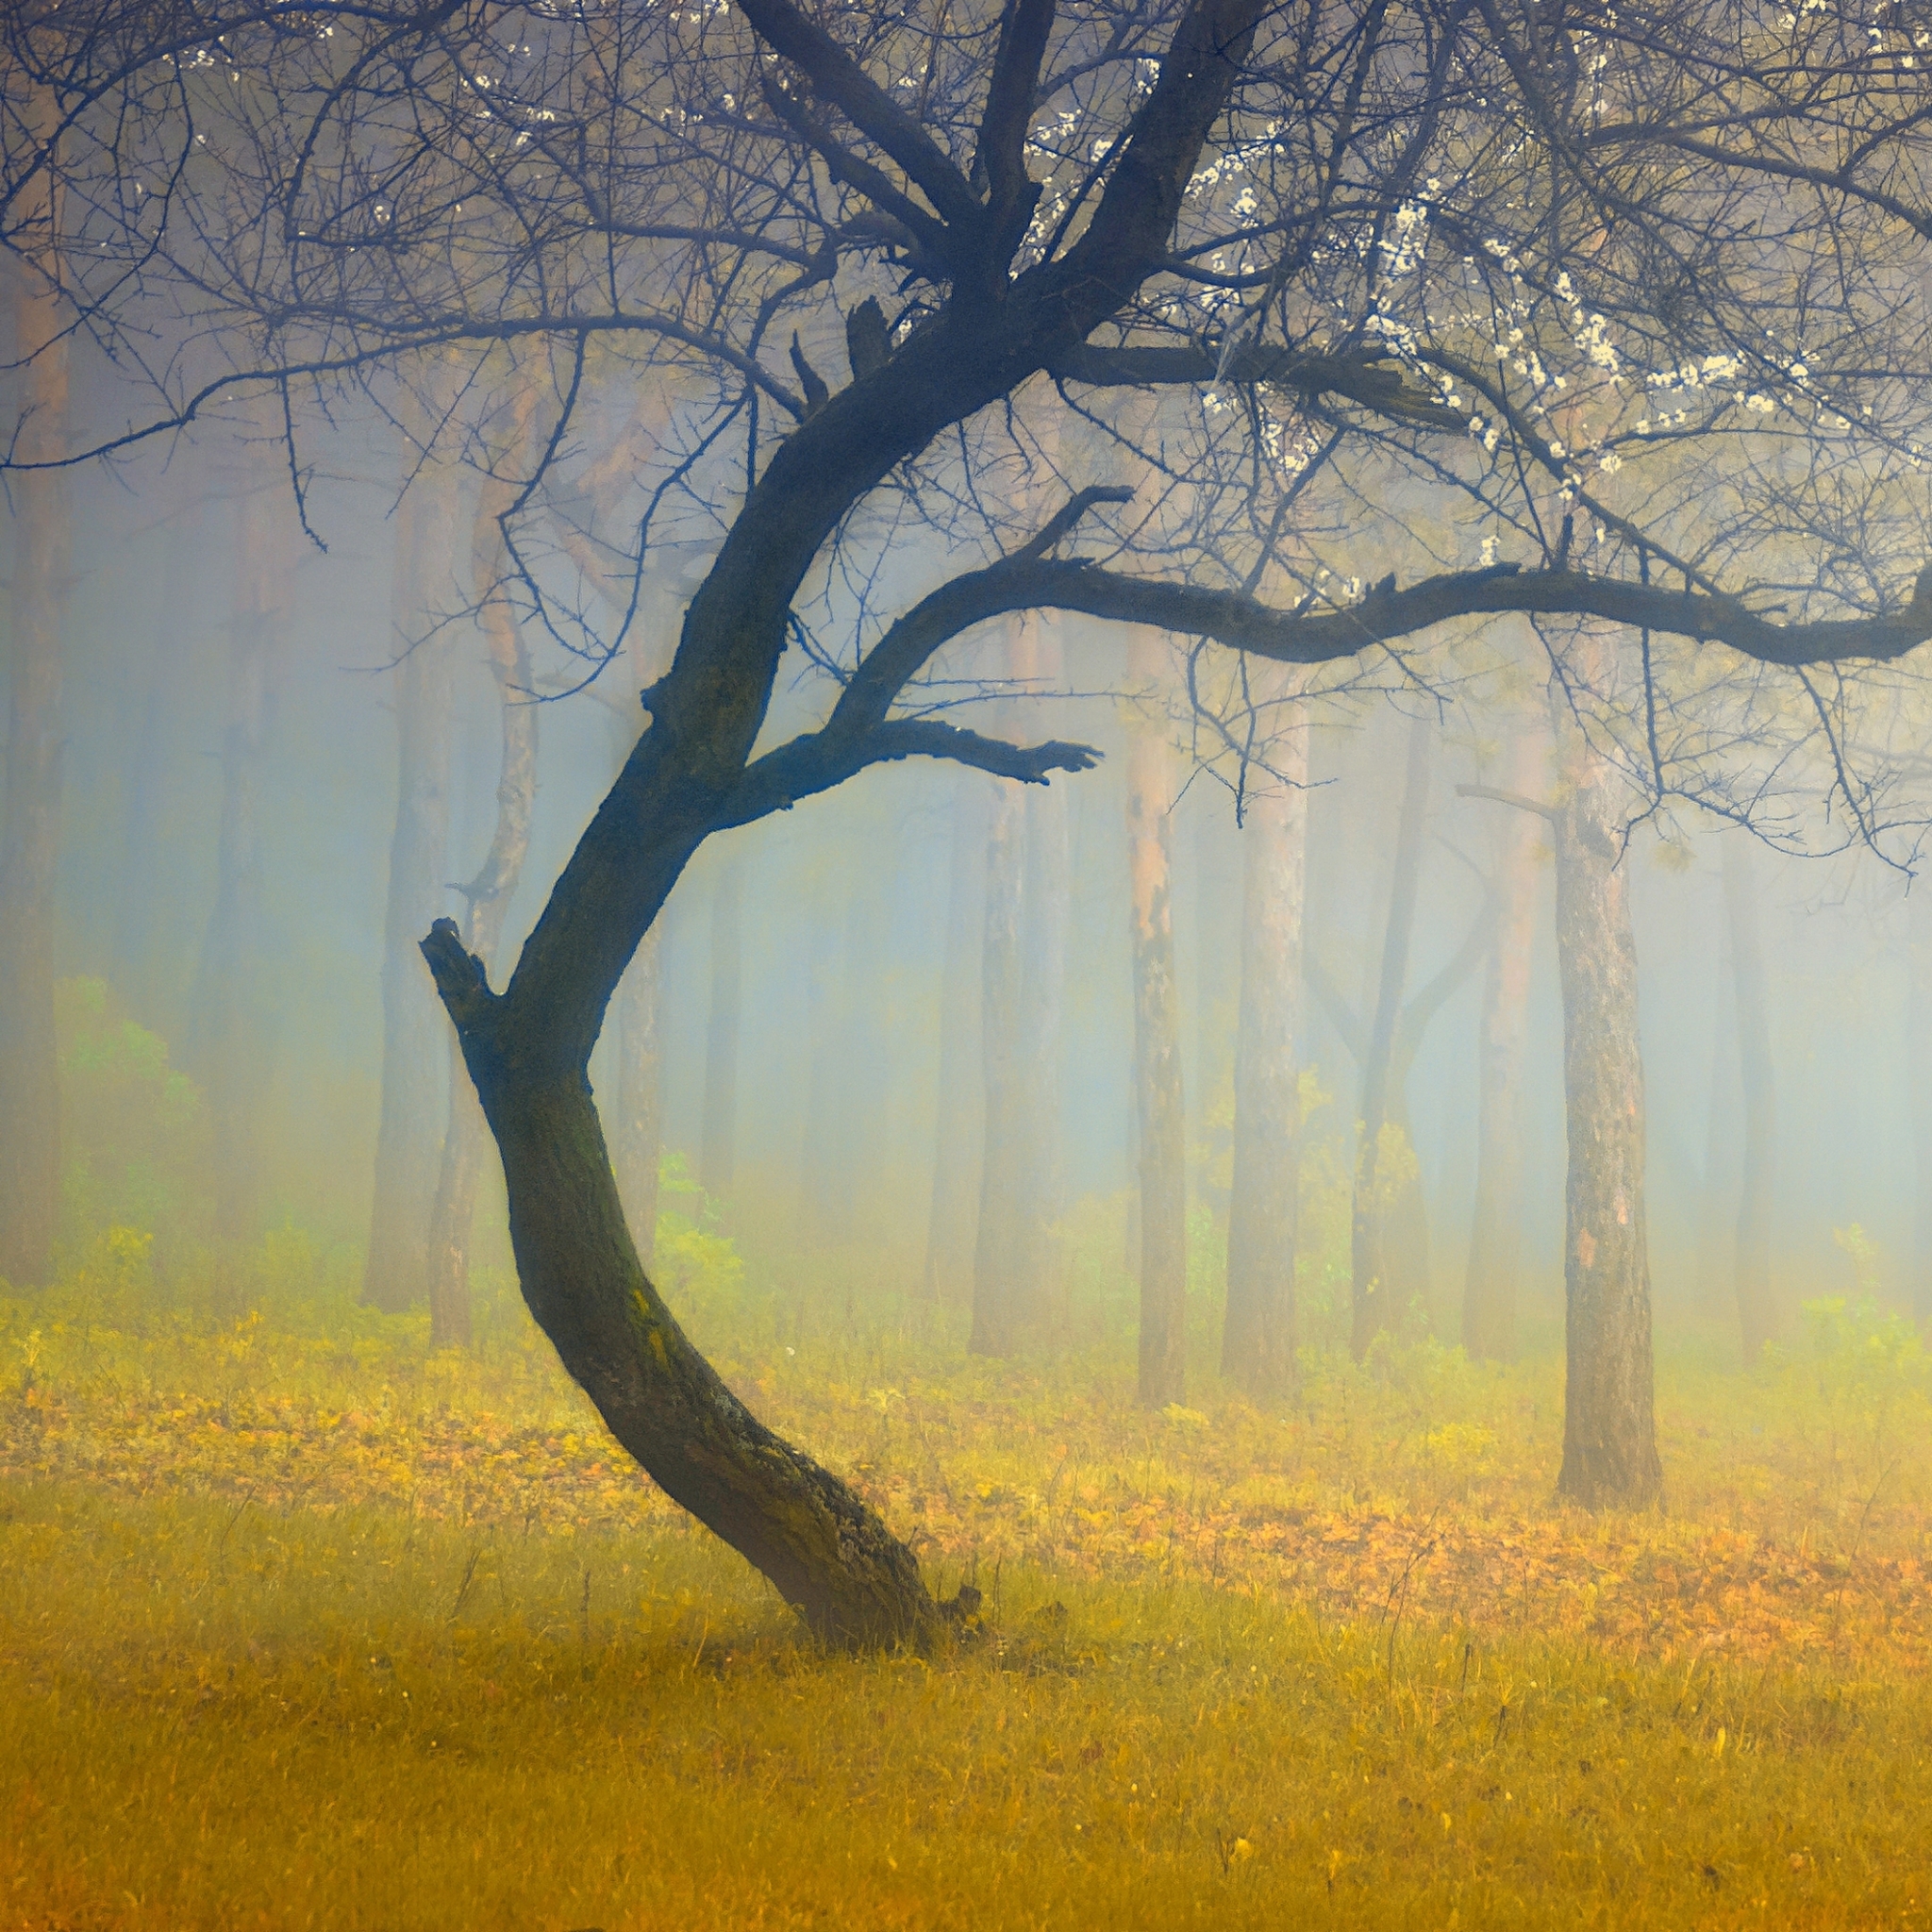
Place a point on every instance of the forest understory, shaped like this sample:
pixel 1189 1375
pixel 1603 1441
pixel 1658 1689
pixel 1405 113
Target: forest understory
pixel 306 1624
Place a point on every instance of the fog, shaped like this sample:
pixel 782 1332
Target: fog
pixel 858 1030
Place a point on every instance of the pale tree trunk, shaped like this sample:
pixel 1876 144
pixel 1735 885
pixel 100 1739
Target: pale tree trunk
pixel 949 1219
pixel 30 836
pixel 1159 1103
pixel 1377 1193
pixel 1609 1428
pixel 717 1143
pixel 1755 1315
pixel 415 1050
pixel 231 1018
pixel 1022 976
pixel 1723 1176
pixel 1258 1337
pixel 454 1213
pixel 1495 1241
pixel 1918 1081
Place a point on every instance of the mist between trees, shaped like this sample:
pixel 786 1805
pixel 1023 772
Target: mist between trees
pixel 1161 681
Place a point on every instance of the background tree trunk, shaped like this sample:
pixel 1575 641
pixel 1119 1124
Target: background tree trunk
pixel 231 1022
pixel 1919 1079
pixel 1723 1135
pixel 1376 1191
pixel 949 1221
pixel 1023 979
pixel 415 1048
pixel 1755 1314
pixel 30 838
pixel 1609 1428
pixel 1495 1241
pixel 718 1139
pixel 454 1211
pixel 1159 1103
pixel 1258 1337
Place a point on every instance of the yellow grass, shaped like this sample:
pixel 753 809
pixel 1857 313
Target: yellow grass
pixel 313 1630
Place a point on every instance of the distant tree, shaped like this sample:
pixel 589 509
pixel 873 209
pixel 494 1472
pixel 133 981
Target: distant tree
pixel 1370 241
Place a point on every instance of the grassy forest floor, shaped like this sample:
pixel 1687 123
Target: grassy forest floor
pixel 303 1625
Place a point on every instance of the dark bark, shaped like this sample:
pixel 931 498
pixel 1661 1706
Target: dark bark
pixel 1757 1316
pixel 1159 1103
pixel 1609 1428
pixel 1495 1241
pixel 1376 1287
pixel 950 1221
pixel 30 837
pixel 1258 1338
pixel 717 1143
pixel 232 1017
pixel 415 1049
pixel 453 1213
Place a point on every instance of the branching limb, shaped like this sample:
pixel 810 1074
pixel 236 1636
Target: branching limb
pixel 1515 798
pixel 823 759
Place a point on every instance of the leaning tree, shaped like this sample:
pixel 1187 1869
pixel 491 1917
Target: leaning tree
pixel 1393 287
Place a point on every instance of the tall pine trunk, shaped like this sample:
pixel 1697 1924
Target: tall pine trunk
pixel 1609 1427
pixel 718 1139
pixel 31 833
pixel 1159 1102
pixel 1258 1337
pixel 1022 979
pixel 1495 1241
pixel 231 1013
pixel 454 1211
pixel 1919 1082
pixel 1755 1314
pixel 1378 1188
pixel 415 1048
pixel 949 1218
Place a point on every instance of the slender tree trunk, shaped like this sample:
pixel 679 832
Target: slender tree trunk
pixel 1723 1176
pixel 415 1050
pixel 1609 1429
pixel 949 1221
pixel 1918 1081
pixel 1258 1337
pixel 997 1288
pixel 1022 976
pixel 1374 1189
pixel 30 837
pixel 1495 1241
pixel 454 1211
pixel 1159 1103
pixel 231 1019
pixel 718 1140
pixel 1753 1272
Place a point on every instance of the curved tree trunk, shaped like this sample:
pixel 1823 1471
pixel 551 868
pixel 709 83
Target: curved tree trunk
pixel 1258 1338
pixel 1755 1315
pixel 640 1137
pixel 396 1271
pixel 1495 1241
pixel 1609 1428
pixel 1375 1190
pixel 1159 1104
pixel 30 837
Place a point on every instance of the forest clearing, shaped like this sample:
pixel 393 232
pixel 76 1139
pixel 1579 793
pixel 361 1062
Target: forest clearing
pixel 965 964
pixel 327 1628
